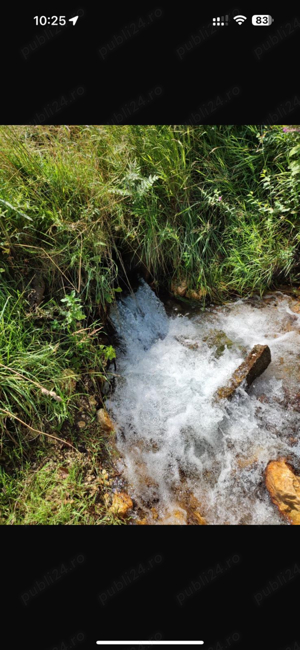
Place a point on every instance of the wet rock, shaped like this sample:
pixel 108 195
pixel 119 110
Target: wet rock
pixel 179 289
pixel 121 504
pixel 254 365
pixel 104 420
pixel 219 340
pixel 284 488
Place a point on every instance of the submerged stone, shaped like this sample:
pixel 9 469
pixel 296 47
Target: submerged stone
pixel 254 365
pixel 284 488
pixel 219 340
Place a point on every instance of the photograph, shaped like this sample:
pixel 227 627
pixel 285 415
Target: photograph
pixel 150 327
pixel 150 311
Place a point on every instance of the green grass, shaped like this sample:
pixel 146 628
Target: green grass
pixel 42 360
pixel 59 492
pixel 214 206
pixel 92 195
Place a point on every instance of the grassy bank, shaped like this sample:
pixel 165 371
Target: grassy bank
pixel 214 207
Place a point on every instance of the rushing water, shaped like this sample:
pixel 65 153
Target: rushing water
pixel 181 451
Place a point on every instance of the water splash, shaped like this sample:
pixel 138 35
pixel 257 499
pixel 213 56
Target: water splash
pixel 178 446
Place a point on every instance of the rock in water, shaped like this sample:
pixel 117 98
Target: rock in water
pixel 254 365
pixel 217 339
pixel 284 488
pixel 121 504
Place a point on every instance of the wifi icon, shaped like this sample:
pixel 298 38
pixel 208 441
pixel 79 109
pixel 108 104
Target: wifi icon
pixel 239 19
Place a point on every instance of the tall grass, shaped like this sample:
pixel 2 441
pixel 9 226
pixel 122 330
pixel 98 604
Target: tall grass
pixel 218 205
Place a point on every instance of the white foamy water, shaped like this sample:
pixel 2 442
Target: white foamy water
pixel 178 446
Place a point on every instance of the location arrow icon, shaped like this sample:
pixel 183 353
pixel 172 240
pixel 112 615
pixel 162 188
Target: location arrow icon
pixel 74 20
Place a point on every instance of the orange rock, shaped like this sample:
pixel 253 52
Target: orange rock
pixel 179 289
pixel 284 488
pixel 121 504
pixel 105 421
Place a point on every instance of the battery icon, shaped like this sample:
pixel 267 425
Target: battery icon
pixel 262 20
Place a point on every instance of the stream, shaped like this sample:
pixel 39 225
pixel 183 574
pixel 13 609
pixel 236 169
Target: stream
pixel 184 456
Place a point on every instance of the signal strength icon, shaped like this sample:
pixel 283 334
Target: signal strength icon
pixel 239 19
pixel 220 21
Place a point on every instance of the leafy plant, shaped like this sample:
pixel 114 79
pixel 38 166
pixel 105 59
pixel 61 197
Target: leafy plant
pixel 73 311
